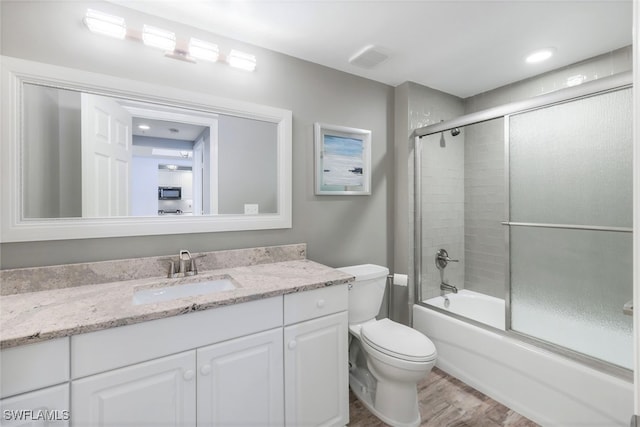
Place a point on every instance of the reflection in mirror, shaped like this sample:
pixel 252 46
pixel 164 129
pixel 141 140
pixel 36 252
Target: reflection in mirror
pixel 87 155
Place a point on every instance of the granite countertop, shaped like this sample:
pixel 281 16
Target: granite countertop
pixel 37 316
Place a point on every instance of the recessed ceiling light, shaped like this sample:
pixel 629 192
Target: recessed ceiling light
pixel 144 127
pixel 540 55
pixel 157 37
pixel 105 24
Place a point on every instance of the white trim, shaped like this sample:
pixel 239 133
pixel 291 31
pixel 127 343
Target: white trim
pixel 14 72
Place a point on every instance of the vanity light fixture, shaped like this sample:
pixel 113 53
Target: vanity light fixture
pixel 144 127
pixel 157 37
pixel 201 49
pixel 540 55
pixel 114 26
pixel 242 60
pixel 105 24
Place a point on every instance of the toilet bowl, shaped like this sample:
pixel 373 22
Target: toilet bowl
pixel 386 359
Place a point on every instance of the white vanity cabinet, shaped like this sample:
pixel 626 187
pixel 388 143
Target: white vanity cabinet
pixel 160 392
pixel 240 382
pixel 269 362
pixel 168 372
pixel 34 385
pixel 48 407
pixel 316 358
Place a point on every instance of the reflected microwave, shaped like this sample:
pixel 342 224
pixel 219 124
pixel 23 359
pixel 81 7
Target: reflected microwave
pixel 169 193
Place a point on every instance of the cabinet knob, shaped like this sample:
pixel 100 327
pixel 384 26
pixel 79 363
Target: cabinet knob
pixel 188 375
pixel 205 369
pixel 292 344
pixel 320 303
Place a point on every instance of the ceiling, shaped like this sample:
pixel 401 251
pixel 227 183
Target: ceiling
pixel 459 47
pixel 166 129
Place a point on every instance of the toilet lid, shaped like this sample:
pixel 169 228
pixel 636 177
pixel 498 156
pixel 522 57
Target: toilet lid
pixel 397 340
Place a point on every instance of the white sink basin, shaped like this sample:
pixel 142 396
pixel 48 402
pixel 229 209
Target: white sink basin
pixel 180 290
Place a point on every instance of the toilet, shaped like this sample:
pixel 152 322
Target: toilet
pixel 386 359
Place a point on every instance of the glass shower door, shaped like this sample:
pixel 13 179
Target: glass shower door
pixel 570 209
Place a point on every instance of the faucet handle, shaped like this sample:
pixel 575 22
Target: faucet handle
pixel 172 270
pixel 442 259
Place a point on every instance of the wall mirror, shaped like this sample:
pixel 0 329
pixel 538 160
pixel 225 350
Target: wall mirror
pixel 89 155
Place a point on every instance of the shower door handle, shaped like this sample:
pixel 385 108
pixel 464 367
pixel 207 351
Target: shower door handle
pixel 628 308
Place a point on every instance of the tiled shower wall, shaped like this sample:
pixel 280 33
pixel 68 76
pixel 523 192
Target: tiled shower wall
pixel 443 218
pixel 442 186
pixel 484 200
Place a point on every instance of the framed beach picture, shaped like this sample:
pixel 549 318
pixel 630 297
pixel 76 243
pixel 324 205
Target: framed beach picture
pixel 342 160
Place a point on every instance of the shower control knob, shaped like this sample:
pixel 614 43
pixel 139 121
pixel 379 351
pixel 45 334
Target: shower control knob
pixel 442 259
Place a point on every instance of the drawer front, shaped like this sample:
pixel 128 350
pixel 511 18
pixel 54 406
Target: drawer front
pixel 108 349
pixel 33 366
pixel 307 305
pixel 29 409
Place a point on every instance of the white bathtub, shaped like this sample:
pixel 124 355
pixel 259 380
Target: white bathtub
pixel 481 308
pixel 543 386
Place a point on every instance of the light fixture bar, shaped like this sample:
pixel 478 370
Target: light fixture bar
pixel 242 60
pixel 105 24
pixel 157 37
pixel 201 49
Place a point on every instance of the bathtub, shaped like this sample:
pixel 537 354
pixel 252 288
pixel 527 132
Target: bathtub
pixel 543 386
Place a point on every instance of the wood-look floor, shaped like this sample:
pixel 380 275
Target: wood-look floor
pixel 447 402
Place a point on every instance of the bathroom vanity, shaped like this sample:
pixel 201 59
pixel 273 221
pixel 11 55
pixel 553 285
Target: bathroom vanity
pixel 271 351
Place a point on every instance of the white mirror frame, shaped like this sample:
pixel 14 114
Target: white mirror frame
pixel 15 72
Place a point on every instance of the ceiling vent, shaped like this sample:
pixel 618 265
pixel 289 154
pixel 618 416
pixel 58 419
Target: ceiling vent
pixel 369 57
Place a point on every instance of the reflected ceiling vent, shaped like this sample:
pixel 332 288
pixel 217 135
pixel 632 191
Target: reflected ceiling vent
pixel 369 57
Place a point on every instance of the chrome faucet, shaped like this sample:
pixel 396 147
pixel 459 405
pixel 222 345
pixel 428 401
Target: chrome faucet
pixel 186 265
pixel 442 260
pixel 448 287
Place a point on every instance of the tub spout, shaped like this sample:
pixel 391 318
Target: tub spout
pixel 448 287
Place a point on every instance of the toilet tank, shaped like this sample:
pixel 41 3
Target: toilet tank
pixel 365 296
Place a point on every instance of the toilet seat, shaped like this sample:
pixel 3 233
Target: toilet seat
pixel 398 341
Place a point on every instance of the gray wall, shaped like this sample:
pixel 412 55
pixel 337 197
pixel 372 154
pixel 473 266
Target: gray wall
pixel 247 159
pixel 338 230
pixel 52 153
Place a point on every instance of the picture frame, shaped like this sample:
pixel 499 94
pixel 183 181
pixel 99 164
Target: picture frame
pixel 342 160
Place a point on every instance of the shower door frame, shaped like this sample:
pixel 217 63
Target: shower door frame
pixel 597 87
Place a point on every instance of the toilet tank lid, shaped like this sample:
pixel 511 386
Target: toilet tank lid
pixel 365 271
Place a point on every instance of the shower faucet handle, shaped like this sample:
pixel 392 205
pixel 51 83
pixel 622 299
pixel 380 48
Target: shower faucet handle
pixel 442 259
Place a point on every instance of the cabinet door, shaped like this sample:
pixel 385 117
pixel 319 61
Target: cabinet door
pixel 240 382
pixel 157 393
pixel 316 372
pixel 46 407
